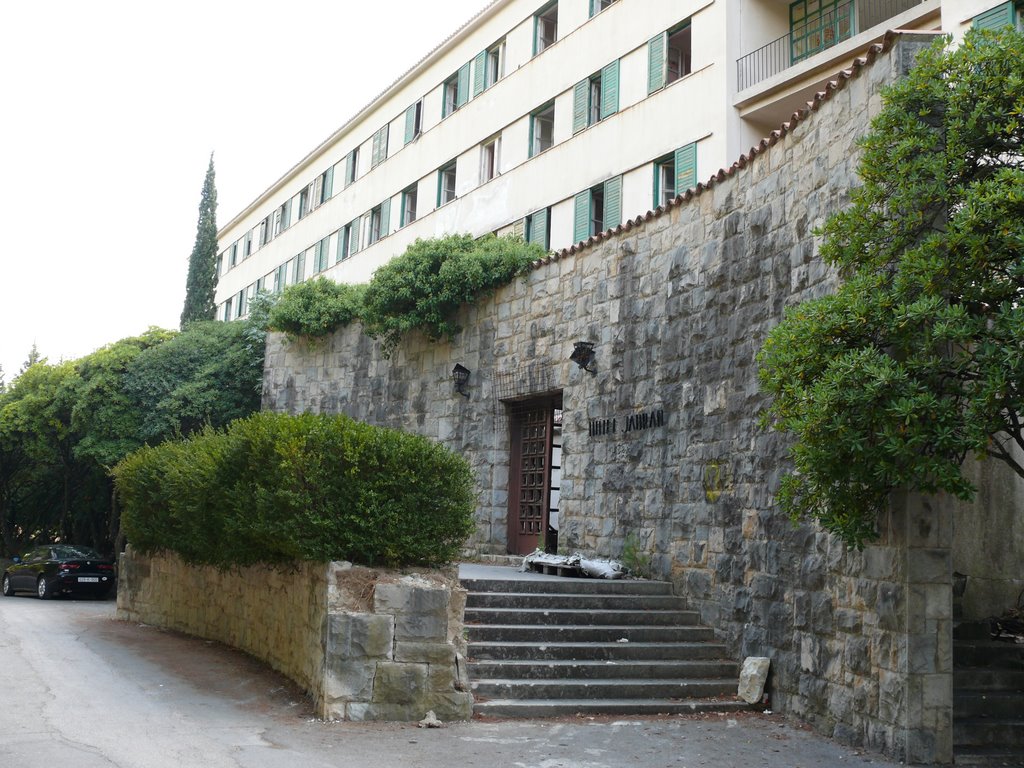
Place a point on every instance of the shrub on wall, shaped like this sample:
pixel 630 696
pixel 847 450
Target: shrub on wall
pixel 424 287
pixel 315 308
pixel 276 488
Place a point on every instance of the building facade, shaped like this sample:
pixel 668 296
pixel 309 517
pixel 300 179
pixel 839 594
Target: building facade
pixel 554 121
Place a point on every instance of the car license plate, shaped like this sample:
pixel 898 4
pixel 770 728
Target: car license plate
pixel 93 579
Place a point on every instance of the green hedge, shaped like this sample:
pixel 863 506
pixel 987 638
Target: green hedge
pixel 274 488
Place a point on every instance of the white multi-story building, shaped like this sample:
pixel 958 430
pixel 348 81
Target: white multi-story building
pixel 555 120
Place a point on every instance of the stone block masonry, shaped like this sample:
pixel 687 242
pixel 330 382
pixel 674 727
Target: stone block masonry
pixel 366 644
pixel 677 303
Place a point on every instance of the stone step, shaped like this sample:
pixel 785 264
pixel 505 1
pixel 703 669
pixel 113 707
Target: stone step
pixel 581 633
pixel 988 653
pixel 574 669
pixel 570 586
pixel 598 651
pixel 972 732
pixel 988 757
pixel 987 704
pixel 573 602
pixel 988 679
pixel 560 617
pixel 530 708
pixel 612 689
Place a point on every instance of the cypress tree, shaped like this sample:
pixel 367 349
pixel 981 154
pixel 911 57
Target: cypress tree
pixel 201 284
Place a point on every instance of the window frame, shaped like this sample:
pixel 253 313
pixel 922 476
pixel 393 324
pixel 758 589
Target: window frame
pixel 547 14
pixel 409 193
pixel 596 6
pixel 352 167
pixel 442 173
pixel 490 159
pixel 534 148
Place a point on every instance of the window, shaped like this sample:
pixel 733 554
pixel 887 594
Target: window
pixel 413 121
pixel 380 222
pixel 815 25
pixel 320 251
pixel 674 174
pixel 669 57
pixel 595 98
pixel 304 202
pixel 408 207
pixel 538 228
pixel 545 28
pixel 299 268
pixel 596 6
pixel 490 157
pixel 280 278
pixel 379 152
pixel 247 249
pixel 263 232
pixel 488 67
pixel 227 311
pixel 234 254
pixel 456 90
pixel 446 184
pixel 240 304
pixel 597 209
pixel 282 218
pixel 542 129
pixel 351 166
pixel 348 239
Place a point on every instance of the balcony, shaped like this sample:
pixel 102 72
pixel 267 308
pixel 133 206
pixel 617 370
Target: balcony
pixel 814 32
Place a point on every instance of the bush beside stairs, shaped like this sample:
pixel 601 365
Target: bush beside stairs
pixel 567 646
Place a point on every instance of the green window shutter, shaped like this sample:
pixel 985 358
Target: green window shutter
pixel 480 73
pixel 610 89
pixel 410 123
pixel 375 150
pixel 593 5
pixel 580 105
pixel 462 95
pixel 529 147
pixel 328 184
pixel 385 218
pixel 995 18
pixel 613 202
pixel 518 227
pixel 656 62
pixel 539 228
pixel 355 238
pixel 286 215
pixel 581 216
pixel 380 146
pixel 686 168
pixel 350 161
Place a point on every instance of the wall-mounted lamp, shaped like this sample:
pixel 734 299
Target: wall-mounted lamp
pixel 460 375
pixel 583 355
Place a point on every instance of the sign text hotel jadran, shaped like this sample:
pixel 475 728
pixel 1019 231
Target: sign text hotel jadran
pixel 633 422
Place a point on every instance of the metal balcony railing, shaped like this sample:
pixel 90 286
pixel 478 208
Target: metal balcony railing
pixel 816 34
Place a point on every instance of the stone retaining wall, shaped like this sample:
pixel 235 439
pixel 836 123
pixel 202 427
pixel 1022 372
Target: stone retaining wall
pixel 366 644
pixel 677 305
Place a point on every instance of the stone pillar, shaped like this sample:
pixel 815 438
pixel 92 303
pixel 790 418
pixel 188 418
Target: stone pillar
pixel 926 522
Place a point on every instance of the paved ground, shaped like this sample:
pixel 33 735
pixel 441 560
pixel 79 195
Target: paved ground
pixel 80 688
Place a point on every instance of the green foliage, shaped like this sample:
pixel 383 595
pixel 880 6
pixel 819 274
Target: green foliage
pixel 62 427
pixel 275 488
pixel 201 283
pixel 422 289
pixel 209 374
pixel 633 557
pixel 315 308
pixel 915 362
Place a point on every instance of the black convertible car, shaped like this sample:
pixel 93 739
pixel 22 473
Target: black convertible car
pixel 59 569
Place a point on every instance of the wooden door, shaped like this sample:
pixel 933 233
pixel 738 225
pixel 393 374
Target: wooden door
pixel 530 475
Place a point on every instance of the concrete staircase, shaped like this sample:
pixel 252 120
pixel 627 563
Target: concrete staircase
pixel 988 698
pixel 553 646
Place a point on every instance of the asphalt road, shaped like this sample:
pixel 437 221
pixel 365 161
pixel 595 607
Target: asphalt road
pixel 79 688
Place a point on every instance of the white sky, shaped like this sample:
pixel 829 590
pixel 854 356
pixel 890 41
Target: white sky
pixel 109 110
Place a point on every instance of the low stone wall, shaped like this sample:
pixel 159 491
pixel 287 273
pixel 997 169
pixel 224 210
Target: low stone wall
pixel 366 644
